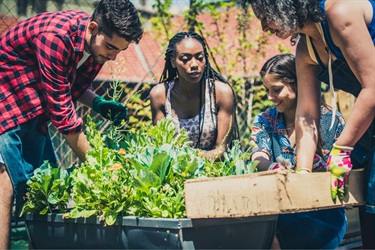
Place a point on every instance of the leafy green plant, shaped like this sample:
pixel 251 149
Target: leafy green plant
pixel 48 190
pixel 235 162
pixel 159 174
pixel 101 186
pixel 139 109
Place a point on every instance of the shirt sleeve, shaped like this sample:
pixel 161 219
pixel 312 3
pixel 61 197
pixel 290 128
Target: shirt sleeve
pixel 260 137
pixel 55 61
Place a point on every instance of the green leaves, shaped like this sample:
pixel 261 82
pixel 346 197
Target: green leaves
pixel 48 190
pixel 145 177
pixel 165 133
pixel 236 162
pixel 144 180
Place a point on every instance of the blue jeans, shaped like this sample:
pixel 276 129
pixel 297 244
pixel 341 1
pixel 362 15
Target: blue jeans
pixel 370 174
pixel 323 229
pixel 23 149
pixel 364 158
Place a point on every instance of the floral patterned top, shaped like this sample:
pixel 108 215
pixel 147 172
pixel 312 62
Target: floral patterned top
pixel 269 133
pixel 191 125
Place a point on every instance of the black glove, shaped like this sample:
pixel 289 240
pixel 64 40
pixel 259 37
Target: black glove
pixel 110 109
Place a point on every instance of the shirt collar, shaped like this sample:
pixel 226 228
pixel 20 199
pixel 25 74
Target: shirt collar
pixel 81 33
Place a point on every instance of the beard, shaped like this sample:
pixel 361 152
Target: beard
pixel 97 57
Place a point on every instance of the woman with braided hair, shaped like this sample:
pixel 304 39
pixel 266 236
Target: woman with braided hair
pixel 194 96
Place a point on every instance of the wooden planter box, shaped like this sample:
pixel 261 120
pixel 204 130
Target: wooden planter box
pixel 51 231
pixel 266 193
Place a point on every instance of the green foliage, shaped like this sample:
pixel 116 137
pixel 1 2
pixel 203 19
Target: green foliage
pixel 138 108
pixel 100 186
pixel 235 162
pixel 145 177
pixel 165 132
pixel 162 21
pixel 48 190
pixel 261 102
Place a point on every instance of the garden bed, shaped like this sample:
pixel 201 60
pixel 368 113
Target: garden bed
pixel 51 231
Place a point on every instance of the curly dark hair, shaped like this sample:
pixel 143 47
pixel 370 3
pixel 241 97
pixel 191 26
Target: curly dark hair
pixel 290 14
pixel 209 76
pixel 120 17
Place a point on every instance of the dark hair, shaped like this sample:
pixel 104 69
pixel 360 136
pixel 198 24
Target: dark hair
pixel 120 17
pixel 283 68
pixel 209 76
pixel 290 14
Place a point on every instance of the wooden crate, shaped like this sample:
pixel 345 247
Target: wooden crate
pixel 265 193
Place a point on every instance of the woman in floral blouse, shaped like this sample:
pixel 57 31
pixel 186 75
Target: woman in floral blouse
pixel 274 135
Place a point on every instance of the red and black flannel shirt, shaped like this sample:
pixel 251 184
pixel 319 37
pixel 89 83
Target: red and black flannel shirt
pixel 38 70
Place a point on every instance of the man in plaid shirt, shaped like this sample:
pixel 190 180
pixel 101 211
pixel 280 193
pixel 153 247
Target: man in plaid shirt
pixel 46 63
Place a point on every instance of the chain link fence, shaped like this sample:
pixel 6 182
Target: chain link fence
pixel 136 95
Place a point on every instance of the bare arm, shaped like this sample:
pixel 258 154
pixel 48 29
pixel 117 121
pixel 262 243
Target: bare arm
pixel 348 24
pixel 264 160
pixel 79 144
pixel 225 119
pixel 157 99
pixel 308 107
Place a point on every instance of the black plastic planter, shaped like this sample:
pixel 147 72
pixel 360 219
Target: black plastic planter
pixel 52 231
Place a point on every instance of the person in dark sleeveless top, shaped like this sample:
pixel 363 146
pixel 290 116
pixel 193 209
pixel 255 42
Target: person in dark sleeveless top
pixel 194 96
pixel 335 44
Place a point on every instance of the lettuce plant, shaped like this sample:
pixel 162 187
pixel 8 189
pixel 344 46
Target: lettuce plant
pixel 48 190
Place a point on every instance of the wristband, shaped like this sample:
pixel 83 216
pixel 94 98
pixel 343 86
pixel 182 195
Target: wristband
pixel 303 170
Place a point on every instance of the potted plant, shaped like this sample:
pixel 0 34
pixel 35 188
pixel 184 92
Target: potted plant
pixel 130 195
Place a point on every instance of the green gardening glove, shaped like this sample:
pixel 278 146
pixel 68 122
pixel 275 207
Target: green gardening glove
pixel 340 165
pixel 111 110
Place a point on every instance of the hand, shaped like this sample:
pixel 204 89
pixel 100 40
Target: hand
pixel 281 162
pixel 319 165
pixel 111 110
pixel 340 165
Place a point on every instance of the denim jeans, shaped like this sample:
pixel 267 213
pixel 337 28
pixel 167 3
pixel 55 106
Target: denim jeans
pixel 23 149
pixel 323 229
pixel 370 174
pixel 364 158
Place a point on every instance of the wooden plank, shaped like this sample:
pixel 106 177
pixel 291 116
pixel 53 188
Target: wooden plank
pixel 305 192
pixel 232 196
pixel 266 193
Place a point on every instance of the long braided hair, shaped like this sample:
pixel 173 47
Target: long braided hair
pixel 208 80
